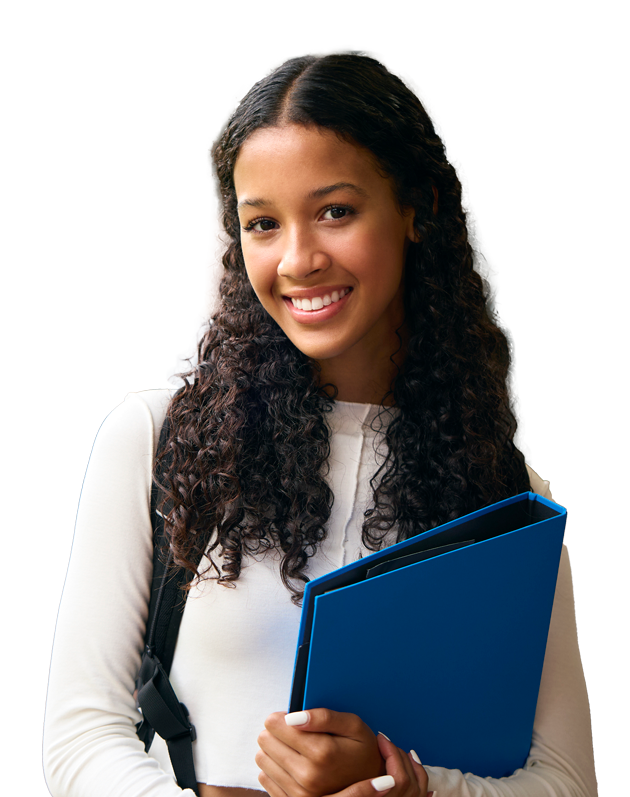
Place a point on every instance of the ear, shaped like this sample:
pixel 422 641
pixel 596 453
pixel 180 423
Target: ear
pixel 412 234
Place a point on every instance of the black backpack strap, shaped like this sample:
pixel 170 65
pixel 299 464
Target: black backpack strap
pixel 523 485
pixel 162 713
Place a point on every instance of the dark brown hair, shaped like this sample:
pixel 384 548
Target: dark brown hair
pixel 244 467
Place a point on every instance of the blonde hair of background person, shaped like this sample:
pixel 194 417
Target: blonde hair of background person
pixel 349 303
pixel 190 249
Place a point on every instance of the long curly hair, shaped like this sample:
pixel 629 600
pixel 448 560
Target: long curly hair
pixel 244 467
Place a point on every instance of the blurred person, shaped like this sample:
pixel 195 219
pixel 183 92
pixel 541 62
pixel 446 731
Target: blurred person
pixel 351 392
pixel 149 350
pixel 120 276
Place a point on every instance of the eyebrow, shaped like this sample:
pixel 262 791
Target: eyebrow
pixel 317 193
pixel 329 189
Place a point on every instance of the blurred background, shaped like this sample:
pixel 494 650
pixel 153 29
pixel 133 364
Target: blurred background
pixel 110 244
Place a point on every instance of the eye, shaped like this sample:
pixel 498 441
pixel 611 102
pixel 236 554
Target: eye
pixel 335 212
pixel 260 226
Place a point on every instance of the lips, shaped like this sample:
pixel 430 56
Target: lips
pixel 319 302
pixel 316 308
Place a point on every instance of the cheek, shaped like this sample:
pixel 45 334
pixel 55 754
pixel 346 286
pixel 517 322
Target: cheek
pixel 377 257
pixel 261 271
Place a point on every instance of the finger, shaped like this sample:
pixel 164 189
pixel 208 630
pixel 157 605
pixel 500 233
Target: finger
pixel 281 753
pixel 317 773
pixel 282 779
pixel 270 786
pixel 399 765
pixel 319 731
pixel 367 788
pixel 419 771
pixel 324 720
pixel 277 728
pixel 278 738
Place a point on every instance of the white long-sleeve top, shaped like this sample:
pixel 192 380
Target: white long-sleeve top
pixel 234 657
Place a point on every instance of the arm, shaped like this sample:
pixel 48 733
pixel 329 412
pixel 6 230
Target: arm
pixel 561 756
pixel 90 743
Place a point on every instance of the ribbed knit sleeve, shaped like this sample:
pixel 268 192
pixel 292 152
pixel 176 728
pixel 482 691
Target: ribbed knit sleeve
pixel 90 744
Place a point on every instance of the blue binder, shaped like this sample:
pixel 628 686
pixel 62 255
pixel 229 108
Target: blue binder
pixel 439 641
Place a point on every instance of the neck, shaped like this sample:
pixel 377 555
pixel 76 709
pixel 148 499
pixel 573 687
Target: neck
pixel 363 377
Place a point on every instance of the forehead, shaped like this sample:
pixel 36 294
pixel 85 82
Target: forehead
pixel 301 159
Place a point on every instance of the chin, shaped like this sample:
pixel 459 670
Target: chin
pixel 316 351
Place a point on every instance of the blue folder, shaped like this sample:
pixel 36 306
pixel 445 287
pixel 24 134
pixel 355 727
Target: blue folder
pixel 439 641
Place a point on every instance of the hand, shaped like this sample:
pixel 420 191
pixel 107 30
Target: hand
pixel 405 777
pixel 327 752
pixel 410 777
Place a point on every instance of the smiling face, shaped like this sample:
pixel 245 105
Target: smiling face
pixel 324 242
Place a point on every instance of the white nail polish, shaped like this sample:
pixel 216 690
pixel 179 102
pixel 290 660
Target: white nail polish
pixel 380 733
pixel 414 755
pixel 384 782
pixel 297 718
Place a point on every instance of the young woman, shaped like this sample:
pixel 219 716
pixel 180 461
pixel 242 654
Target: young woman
pixel 149 350
pixel 350 392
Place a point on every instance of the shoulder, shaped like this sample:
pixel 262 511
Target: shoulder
pixel 138 419
pixel 120 469
pixel 538 485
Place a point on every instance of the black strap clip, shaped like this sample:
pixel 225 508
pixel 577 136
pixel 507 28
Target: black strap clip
pixel 157 701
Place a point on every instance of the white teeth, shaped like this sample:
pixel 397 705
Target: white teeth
pixel 317 302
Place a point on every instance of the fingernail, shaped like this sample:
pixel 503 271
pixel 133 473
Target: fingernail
pixel 383 783
pixel 297 718
pixel 380 733
pixel 414 755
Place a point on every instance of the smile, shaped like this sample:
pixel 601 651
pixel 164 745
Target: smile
pixel 318 309
pixel 318 302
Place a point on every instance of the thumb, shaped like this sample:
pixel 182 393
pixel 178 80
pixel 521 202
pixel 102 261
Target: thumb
pixel 420 772
pixel 368 788
pixel 393 761
pixel 324 720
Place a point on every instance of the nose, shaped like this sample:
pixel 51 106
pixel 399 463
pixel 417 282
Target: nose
pixel 302 256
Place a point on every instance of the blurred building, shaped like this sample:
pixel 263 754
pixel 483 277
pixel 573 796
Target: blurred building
pixel 521 125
